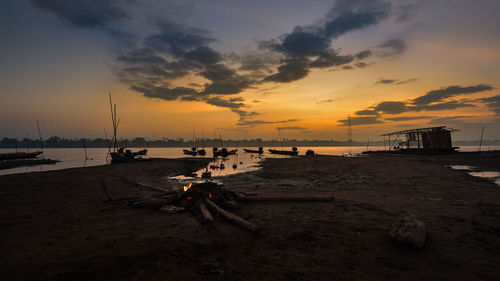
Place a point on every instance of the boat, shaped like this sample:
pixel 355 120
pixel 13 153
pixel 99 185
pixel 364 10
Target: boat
pixel 19 155
pixel 293 152
pixel 282 151
pixel 123 155
pixel 224 152
pixel 192 152
pixel 259 151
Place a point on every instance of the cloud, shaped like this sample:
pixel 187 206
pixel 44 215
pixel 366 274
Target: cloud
pixel 85 13
pixel 406 12
pixel 366 112
pixel 364 120
pixel 407 118
pixel 444 120
pixel 309 46
pixel 363 54
pixel 391 47
pixel 298 128
pixel 251 123
pixel 395 81
pixel 391 107
pixel 493 103
pixel 443 93
pixel 435 100
pixel 449 105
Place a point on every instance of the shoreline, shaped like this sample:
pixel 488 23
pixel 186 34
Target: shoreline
pixel 57 225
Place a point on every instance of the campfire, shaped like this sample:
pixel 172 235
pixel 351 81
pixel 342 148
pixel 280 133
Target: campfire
pixel 207 198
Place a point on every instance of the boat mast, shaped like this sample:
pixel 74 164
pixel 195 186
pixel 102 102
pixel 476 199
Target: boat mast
pixel 40 135
pixel 279 135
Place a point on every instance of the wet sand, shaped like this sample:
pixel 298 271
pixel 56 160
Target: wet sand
pixel 58 225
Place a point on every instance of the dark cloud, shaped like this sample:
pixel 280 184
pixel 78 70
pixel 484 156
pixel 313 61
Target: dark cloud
pixel 251 123
pixel 349 15
pixel 85 13
pixel 395 81
pixel 493 103
pixel 441 94
pixel 431 101
pixel 392 47
pixel 364 120
pixel 368 112
pixel 363 55
pixel 385 81
pixel 391 107
pixel 406 81
pixel 298 128
pixel 449 105
pixel 361 65
pixel 309 47
pixel 292 70
pixel 347 67
pixel 407 118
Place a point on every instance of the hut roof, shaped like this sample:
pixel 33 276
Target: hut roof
pixel 421 130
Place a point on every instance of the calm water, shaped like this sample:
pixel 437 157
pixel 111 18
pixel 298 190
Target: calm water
pixel 75 157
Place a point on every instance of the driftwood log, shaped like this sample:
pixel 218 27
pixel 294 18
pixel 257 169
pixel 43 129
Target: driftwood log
pixel 286 198
pixel 232 217
pixel 204 211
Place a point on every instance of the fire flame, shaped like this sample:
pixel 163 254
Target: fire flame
pixel 186 187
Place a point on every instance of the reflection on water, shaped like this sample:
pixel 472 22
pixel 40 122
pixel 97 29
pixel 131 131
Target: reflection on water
pixel 224 166
pixel 493 176
pixel 75 157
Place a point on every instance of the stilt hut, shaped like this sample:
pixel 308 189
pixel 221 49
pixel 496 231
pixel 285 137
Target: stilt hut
pixel 422 140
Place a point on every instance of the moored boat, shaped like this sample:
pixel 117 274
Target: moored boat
pixel 293 152
pixel 19 155
pixel 259 151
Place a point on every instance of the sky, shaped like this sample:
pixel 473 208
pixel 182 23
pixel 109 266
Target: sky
pixel 243 68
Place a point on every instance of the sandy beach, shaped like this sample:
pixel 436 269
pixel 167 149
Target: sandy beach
pixel 58 225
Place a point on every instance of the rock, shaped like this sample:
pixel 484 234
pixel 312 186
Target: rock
pixel 310 152
pixel 408 230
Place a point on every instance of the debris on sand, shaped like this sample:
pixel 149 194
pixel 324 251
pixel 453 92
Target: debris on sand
pixel 409 230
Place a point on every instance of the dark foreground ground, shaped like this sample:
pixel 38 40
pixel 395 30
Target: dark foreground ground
pixel 57 226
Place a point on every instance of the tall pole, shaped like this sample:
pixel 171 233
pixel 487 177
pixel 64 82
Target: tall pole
pixel 481 141
pixel 40 135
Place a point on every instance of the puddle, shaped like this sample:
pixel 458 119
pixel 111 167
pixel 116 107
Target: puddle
pixel 493 176
pixel 462 167
pixel 220 167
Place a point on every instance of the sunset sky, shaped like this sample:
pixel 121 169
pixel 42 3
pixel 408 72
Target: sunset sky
pixel 249 66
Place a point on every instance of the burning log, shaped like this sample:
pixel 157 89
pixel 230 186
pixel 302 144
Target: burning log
pixel 233 218
pixel 286 198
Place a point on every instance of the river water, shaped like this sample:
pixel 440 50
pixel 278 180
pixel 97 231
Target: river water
pixel 75 157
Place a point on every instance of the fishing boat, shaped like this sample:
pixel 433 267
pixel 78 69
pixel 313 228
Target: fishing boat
pixel 192 152
pixel 224 152
pixel 259 151
pixel 19 155
pixel 293 152
pixel 121 155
